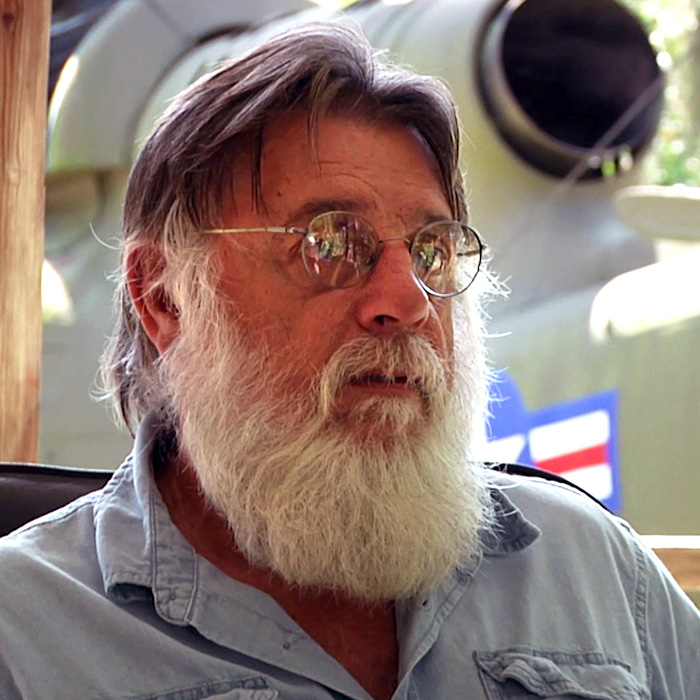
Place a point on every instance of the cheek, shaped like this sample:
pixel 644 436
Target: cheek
pixel 289 329
pixel 258 305
pixel 320 326
pixel 443 311
pixel 268 327
pixel 317 333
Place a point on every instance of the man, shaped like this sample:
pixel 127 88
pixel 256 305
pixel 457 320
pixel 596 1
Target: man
pixel 299 351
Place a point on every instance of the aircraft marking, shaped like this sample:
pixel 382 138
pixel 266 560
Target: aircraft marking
pixel 576 439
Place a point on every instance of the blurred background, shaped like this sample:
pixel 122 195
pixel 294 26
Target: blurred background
pixel 582 157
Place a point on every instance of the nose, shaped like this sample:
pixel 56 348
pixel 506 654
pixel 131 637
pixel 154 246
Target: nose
pixel 392 298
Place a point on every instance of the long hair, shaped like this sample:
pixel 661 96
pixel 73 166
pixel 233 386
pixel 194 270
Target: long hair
pixel 182 178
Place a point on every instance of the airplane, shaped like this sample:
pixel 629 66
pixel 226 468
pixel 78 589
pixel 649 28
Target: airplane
pixel 560 100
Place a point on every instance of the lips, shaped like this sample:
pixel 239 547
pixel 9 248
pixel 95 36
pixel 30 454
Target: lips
pixel 379 378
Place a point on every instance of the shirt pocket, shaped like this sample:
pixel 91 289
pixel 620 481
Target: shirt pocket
pixel 242 694
pixel 520 673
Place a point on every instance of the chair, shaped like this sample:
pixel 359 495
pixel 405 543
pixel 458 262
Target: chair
pixel 30 490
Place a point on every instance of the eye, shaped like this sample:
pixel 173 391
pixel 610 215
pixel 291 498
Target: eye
pixel 430 255
pixel 332 244
pixel 436 257
pixel 339 249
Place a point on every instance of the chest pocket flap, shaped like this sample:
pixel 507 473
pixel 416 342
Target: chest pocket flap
pixel 520 673
pixel 243 694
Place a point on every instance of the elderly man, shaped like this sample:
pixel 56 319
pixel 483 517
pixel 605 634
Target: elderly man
pixel 299 351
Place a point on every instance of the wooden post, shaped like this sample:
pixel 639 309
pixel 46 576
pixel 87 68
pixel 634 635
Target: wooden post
pixel 681 555
pixel 24 54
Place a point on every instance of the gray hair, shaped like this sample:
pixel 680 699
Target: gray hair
pixel 181 180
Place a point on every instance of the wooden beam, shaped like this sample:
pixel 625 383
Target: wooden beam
pixel 24 57
pixel 681 555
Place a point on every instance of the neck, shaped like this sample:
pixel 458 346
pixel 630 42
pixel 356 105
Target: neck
pixel 358 634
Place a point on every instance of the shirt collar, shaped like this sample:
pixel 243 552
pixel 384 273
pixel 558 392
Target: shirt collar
pixel 511 531
pixel 138 545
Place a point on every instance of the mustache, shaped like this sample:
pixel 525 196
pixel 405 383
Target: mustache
pixel 400 358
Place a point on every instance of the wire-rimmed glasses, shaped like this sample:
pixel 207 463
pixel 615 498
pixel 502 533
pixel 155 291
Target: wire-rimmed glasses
pixel 341 248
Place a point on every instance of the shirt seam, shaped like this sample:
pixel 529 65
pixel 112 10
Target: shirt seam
pixel 640 613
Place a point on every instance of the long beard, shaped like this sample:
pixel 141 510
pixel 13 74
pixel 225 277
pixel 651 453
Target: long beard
pixel 382 503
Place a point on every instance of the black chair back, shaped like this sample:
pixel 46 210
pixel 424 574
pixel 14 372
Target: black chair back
pixel 30 490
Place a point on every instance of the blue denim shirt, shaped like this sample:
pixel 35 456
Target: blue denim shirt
pixel 105 599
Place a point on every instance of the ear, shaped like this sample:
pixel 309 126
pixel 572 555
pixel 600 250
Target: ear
pixel 158 314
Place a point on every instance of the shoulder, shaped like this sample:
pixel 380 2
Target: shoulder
pixel 582 536
pixel 49 574
pixel 531 493
pixel 75 541
pixel 574 527
pixel 545 502
pixel 59 543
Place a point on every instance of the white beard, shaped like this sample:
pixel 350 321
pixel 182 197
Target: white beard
pixel 380 515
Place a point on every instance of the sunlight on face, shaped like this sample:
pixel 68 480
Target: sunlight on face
pixel 332 428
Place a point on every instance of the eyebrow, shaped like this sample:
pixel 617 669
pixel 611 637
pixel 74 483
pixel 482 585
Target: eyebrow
pixel 314 207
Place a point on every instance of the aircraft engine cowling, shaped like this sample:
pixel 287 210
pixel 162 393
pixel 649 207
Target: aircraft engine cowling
pixel 572 87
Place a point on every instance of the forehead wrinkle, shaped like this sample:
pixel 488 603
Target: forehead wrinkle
pixel 430 210
pixel 408 175
pixel 378 189
pixel 411 216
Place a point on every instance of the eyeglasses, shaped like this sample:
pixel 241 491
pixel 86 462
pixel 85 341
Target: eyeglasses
pixel 340 249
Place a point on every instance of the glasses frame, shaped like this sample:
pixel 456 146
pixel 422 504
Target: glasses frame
pixel 305 232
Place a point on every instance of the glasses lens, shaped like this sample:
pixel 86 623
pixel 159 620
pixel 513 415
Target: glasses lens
pixel 339 249
pixel 446 257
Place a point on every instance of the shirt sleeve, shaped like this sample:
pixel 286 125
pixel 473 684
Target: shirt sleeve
pixel 669 629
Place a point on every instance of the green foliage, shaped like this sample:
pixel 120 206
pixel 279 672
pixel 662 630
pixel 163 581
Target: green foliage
pixel 673 31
